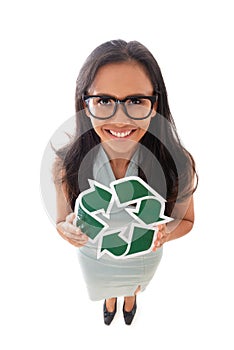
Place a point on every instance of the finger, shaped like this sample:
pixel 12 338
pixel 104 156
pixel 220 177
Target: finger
pixel 78 236
pixel 71 227
pixel 159 235
pixel 70 218
pixel 67 226
pixel 78 241
pixel 157 245
pixel 162 227
pixel 73 232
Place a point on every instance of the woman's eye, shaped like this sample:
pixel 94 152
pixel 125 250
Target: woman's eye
pixel 134 100
pixel 104 101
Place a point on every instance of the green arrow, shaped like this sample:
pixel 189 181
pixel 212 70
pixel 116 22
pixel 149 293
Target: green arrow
pixel 88 224
pixel 131 190
pixel 149 211
pixel 142 239
pixel 114 244
pixel 98 199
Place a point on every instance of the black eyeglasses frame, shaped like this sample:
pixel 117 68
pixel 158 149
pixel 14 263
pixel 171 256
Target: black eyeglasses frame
pixel 117 101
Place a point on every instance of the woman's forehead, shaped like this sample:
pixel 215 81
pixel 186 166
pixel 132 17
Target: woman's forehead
pixel 121 78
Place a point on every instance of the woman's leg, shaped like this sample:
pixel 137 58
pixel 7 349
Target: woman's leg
pixel 110 304
pixel 129 301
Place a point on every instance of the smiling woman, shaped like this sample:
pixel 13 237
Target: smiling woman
pixel 126 81
pixel 124 128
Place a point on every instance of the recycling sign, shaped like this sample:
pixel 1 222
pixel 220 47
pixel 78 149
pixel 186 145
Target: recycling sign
pixel 141 208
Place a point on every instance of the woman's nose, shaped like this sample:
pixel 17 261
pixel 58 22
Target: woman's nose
pixel 120 114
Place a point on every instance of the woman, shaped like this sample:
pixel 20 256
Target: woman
pixel 123 128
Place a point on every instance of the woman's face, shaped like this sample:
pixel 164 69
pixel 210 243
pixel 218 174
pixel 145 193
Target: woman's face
pixel 120 134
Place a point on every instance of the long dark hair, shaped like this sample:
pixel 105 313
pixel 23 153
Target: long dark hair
pixel 161 140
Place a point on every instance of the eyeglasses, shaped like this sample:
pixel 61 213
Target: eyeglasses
pixel 105 107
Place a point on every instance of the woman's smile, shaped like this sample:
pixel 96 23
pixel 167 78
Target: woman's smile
pixel 116 133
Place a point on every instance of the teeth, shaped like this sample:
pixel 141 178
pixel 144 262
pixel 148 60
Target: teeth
pixel 120 134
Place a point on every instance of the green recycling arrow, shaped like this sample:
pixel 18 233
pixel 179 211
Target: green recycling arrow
pixel 130 190
pixel 131 240
pixel 148 211
pixel 142 238
pixel 113 244
pixel 97 199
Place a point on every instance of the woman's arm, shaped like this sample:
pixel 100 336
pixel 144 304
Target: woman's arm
pixel 183 215
pixel 65 216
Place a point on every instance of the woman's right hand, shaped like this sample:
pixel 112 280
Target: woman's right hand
pixel 70 232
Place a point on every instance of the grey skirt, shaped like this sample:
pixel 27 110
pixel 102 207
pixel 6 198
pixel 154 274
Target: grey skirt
pixel 108 277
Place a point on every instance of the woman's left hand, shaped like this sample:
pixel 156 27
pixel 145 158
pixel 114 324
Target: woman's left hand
pixel 162 237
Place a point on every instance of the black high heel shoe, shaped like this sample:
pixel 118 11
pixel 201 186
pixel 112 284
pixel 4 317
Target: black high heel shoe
pixel 109 316
pixel 129 316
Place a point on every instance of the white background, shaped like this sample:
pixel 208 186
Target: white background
pixel 44 303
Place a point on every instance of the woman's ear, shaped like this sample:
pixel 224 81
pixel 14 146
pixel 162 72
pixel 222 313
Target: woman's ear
pixel 155 107
pixel 86 108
